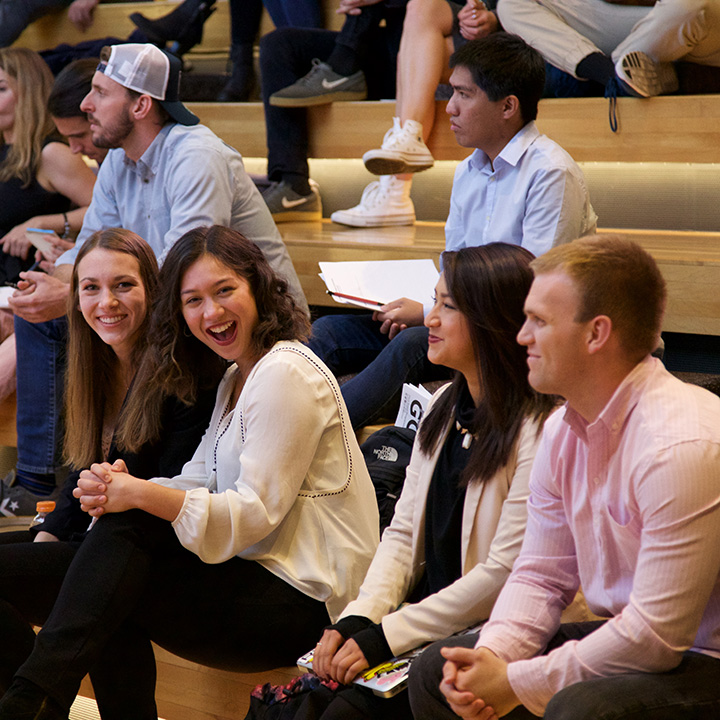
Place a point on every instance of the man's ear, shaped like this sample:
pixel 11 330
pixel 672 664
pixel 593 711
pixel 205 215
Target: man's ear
pixel 511 107
pixel 141 107
pixel 599 332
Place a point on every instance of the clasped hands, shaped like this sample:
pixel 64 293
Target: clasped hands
pixel 475 684
pixel 338 659
pixel 105 488
pixel 476 21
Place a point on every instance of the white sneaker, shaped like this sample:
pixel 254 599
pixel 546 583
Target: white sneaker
pixel 402 151
pixel 644 77
pixel 384 202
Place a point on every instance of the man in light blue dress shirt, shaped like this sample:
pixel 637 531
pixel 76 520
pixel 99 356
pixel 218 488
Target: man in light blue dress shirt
pixel 163 175
pixel 517 187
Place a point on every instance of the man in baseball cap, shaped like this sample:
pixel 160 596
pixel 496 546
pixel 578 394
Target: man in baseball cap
pixel 148 70
pixel 164 174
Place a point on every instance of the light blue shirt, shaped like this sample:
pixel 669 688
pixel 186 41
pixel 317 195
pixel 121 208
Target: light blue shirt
pixel 186 178
pixel 533 195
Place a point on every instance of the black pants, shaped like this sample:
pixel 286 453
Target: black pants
pixel 691 691
pixel 130 582
pixel 286 55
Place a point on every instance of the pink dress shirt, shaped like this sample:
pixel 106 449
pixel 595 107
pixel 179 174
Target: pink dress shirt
pixel 629 507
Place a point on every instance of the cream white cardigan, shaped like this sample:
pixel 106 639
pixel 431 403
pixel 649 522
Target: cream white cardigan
pixel 493 524
pixel 280 479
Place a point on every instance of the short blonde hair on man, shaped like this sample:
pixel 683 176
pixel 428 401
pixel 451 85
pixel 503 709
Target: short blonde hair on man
pixel 617 278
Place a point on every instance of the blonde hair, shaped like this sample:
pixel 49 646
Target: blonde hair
pixel 614 277
pixel 31 81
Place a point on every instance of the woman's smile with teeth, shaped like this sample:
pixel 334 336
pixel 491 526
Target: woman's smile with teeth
pixel 111 320
pixel 223 332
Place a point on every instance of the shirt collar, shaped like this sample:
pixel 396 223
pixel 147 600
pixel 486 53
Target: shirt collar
pixel 618 409
pixel 512 152
pixel 150 159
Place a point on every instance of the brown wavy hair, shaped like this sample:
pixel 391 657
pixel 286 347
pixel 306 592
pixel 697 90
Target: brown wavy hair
pixel 31 81
pixel 177 363
pixel 92 365
pixel 488 285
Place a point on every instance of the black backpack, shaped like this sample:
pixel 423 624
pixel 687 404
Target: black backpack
pixel 387 455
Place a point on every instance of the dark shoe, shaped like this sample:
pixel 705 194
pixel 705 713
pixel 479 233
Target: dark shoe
pixel 321 85
pixel 26 701
pixel 242 81
pixel 182 27
pixel 17 505
pixel 286 205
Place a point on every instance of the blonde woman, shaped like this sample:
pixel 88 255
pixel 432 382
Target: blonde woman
pixel 40 179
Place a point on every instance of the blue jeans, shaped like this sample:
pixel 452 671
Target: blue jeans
pixel 354 344
pixel 40 378
pixel 689 692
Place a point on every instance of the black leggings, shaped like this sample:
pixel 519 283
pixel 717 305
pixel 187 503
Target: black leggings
pixel 131 582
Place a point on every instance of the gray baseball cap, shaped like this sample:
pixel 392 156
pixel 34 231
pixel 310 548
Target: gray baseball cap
pixel 150 71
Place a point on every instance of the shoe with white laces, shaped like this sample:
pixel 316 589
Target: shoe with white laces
pixel 644 77
pixel 402 151
pixel 286 205
pixel 321 85
pixel 384 202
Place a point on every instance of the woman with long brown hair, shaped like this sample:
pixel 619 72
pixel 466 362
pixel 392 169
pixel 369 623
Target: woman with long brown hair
pixel 241 559
pixel 460 520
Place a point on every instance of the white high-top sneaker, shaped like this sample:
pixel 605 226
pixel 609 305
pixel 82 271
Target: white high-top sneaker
pixel 402 151
pixel 384 202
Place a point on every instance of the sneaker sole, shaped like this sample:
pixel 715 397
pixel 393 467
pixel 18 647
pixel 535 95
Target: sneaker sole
pixel 394 165
pixel 298 216
pixel 318 99
pixel 360 222
pixel 652 78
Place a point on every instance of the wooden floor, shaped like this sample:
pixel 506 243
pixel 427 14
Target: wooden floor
pixel 187 691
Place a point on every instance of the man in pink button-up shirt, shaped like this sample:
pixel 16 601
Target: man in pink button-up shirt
pixel 624 501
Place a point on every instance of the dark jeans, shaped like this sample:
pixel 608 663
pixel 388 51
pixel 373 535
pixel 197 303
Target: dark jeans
pixel 40 377
pixel 129 582
pixel 245 16
pixel 354 344
pixel 689 692
pixel 286 55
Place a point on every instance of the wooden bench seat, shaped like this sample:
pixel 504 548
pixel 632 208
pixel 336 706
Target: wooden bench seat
pixel 689 261
pixel 112 20
pixel 683 129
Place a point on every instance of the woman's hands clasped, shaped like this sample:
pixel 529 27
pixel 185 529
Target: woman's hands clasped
pixel 105 488
pixel 338 659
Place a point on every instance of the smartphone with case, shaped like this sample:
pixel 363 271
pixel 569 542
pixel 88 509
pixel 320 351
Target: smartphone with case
pixel 38 237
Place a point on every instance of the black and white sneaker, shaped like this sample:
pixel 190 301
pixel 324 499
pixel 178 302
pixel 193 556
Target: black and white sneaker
pixel 321 85
pixel 286 205
pixel 17 505
pixel 641 76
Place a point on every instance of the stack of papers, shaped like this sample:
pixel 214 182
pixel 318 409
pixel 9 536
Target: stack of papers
pixel 376 282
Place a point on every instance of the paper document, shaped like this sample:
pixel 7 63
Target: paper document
pixel 413 404
pixel 376 282
pixel 6 293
